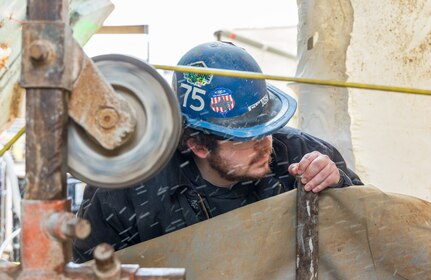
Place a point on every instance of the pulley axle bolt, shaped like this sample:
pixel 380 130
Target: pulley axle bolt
pixel 107 118
pixel 65 225
pixel 39 51
pixel 77 228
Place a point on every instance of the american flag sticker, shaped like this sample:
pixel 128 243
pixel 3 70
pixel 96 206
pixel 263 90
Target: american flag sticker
pixel 222 100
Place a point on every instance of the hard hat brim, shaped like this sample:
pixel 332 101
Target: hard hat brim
pixel 281 108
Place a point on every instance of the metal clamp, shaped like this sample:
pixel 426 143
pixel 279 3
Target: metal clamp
pixel 45 59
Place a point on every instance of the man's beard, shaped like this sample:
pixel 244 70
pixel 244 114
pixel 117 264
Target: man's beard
pixel 229 173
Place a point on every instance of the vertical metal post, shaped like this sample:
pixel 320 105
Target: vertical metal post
pixel 46 116
pixel 46 77
pixel 307 233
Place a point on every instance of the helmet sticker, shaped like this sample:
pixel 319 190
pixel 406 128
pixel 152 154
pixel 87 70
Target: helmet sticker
pixel 222 100
pixel 197 79
pixel 264 100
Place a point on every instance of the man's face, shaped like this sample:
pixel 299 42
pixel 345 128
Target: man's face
pixel 242 161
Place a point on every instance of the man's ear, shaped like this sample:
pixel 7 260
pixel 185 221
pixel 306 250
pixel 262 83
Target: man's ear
pixel 198 149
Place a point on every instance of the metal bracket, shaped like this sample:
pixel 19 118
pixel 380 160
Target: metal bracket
pixel 46 58
pixel 95 106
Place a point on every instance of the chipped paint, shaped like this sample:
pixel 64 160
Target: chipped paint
pixel 5 52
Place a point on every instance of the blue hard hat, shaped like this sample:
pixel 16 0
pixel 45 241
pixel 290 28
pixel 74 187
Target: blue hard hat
pixel 233 108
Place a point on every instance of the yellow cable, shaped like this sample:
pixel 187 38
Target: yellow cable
pixel 260 76
pixel 12 141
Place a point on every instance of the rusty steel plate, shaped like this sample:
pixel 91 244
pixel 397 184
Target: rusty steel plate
pixel 156 135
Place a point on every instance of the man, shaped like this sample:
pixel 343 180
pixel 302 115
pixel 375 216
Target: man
pixel 235 150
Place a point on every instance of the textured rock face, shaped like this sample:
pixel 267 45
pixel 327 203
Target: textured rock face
pixel 384 134
pixel 323 38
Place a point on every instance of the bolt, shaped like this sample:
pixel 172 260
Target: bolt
pixel 39 51
pixel 104 257
pixel 65 225
pixel 106 265
pixel 107 118
pixel 77 228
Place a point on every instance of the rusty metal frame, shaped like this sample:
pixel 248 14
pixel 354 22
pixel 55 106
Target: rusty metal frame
pixel 47 223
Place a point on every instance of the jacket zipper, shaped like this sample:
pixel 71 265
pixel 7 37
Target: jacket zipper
pixel 201 201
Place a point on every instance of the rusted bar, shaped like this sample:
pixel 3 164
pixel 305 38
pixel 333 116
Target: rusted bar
pixel 46 105
pixel 307 233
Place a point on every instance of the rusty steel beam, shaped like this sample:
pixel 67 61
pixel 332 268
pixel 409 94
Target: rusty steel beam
pixel 46 76
pixel 46 98
pixel 307 233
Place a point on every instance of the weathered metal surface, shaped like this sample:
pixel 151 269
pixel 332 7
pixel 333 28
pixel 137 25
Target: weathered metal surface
pixel 46 146
pixel 154 139
pixel 307 233
pixel 96 107
pixel 46 108
pixel 42 255
pixel 47 54
pixel 363 234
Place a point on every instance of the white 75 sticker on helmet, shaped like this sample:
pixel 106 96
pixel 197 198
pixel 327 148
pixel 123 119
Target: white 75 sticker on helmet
pixel 196 99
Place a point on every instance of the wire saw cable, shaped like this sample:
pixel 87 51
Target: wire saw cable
pixel 260 76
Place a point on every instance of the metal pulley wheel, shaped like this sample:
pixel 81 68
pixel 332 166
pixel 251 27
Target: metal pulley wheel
pixel 156 135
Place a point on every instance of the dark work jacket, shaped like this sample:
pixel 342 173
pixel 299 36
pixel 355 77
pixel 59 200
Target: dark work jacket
pixel 178 197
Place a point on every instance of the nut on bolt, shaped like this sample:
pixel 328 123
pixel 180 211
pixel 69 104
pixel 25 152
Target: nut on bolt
pixel 40 51
pixel 76 228
pixel 107 118
pixel 65 225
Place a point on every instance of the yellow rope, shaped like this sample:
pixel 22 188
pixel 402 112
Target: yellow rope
pixel 260 76
pixel 12 141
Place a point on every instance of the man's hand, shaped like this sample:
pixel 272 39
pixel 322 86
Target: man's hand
pixel 318 171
